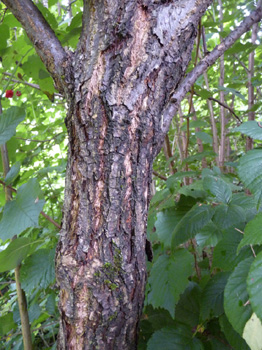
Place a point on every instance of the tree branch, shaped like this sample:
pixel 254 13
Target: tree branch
pixel 34 86
pixel 47 45
pixel 204 64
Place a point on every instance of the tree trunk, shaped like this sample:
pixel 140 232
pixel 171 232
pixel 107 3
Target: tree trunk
pixel 129 59
pixel 122 88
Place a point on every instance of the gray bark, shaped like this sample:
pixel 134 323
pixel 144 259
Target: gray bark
pixel 129 62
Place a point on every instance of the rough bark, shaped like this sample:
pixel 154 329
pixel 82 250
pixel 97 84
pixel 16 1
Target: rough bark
pixel 130 59
pixel 123 79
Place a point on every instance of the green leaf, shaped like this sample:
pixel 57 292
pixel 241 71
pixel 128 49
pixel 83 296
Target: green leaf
pixel 252 232
pixel 9 121
pixel 165 224
pixel 178 338
pixel 169 278
pixel 224 256
pixel 191 223
pixel 210 235
pixel 7 324
pixel 251 129
pixel 4 35
pixel 194 190
pixel 23 211
pixel 34 312
pixel 199 156
pixel 213 296
pixel 253 333
pixel 254 285
pixel 206 138
pixel 228 215
pixel 219 188
pixel 234 339
pixel 250 173
pixel 13 255
pixel 12 173
pixel 38 270
pixel 187 309
pixel 236 298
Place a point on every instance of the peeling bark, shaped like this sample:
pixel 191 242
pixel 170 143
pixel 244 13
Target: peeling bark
pixel 129 59
pixel 122 85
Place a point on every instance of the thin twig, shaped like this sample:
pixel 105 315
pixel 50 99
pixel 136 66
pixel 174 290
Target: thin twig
pixel 159 175
pixel 34 86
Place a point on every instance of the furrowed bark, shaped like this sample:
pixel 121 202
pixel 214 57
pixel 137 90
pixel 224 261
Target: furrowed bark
pixel 125 69
pixel 129 62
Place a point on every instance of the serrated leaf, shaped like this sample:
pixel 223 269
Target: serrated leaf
pixel 14 254
pixel 169 278
pixel 12 173
pixel 23 211
pixel 38 270
pixel 9 121
pixel 194 220
pixel 213 296
pixel 229 215
pixel 210 235
pixel 254 285
pixel 188 307
pixel 34 312
pixel 218 188
pixel 236 297
pixel 178 338
pixel 253 232
pixel 251 129
pixel 253 333
pixel 234 339
pixel 249 171
pixel 224 256
pixel 165 224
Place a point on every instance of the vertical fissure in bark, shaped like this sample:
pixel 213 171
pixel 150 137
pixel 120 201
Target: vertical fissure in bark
pixel 128 61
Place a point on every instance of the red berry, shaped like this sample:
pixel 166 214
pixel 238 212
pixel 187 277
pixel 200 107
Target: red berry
pixel 18 93
pixel 9 93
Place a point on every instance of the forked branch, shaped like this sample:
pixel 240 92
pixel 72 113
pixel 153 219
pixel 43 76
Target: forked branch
pixel 47 45
pixel 204 64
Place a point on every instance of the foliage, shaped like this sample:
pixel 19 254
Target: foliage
pixel 204 220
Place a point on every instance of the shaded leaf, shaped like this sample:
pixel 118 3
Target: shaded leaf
pixel 169 278
pixel 252 232
pixel 229 215
pixel 254 285
pixel 23 211
pixel 13 255
pixel 234 339
pixel 7 324
pixel 178 338
pixel 188 307
pixel 213 296
pixel 218 187
pixel 165 224
pixel 224 256
pixel 249 171
pixel 12 173
pixel 38 270
pixel 194 220
pixel 237 309
pixel 9 121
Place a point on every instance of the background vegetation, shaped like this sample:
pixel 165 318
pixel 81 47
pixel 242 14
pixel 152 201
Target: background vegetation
pixel 205 280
